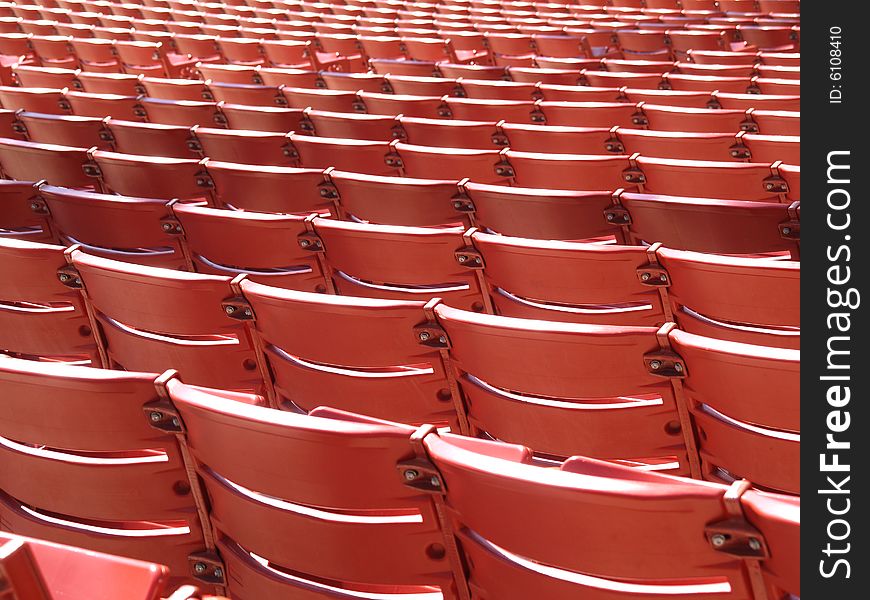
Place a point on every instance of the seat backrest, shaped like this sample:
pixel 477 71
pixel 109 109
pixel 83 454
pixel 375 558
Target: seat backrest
pixel 179 112
pixel 706 225
pixel 709 179
pixel 150 176
pixel 264 188
pixel 65 130
pixel 17 219
pixel 39 316
pixel 556 139
pixel 375 128
pixel 129 492
pixel 538 213
pixel 260 118
pixel 151 139
pixel 444 133
pixel 429 162
pixel 242 146
pixel 746 300
pixel 582 172
pixel 356 354
pixel 395 200
pixel 153 319
pixel 568 281
pixel 337 486
pixel 493 487
pixel 540 383
pixel 32 161
pixel 262 246
pixel 118 227
pixel 397 262
pixel 359 156
pixel 699 120
pixel 750 427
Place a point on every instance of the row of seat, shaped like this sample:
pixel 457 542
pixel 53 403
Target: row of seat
pixel 395 356
pixel 196 142
pixel 358 506
pixel 38 570
pixel 154 177
pixel 496 273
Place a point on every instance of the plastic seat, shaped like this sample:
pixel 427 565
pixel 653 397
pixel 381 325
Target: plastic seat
pixel 771 148
pixel 740 436
pixel 353 82
pixel 708 83
pixel 542 383
pixel 707 225
pixel 632 80
pixel 64 130
pixel 260 118
pixel 511 558
pixel 537 214
pixel 17 219
pixel 377 128
pixel 117 227
pixel 148 176
pixel 677 144
pixel 152 319
pixel 422 86
pixel 706 179
pixel 585 114
pixel 49 413
pixel 697 120
pixel 152 59
pixel 383 47
pixel 552 76
pixel 40 316
pixel 744 300
pixel 27 561
pixel 654 65
pixel 392 524
pixel 40 100
pixel 359 156
pixel 555 139
pixel 119 84
pixel 328 100
pixel 368 382
pixel 394 200
pixel 264 189
pixel 116 106
pixel 262 246
pixel 240 146
pixel 514 111
pixel 767 102
pixel 671 98
pixel 44 77
pixel 454 71
pixel 499 90
pixel 410 68
pixel 397 263
pixel 239 74
pixel 198 46
pixel 54 51
pixel 719 57
pixel 287 54
pixel 448 133
pixel 779 39
pixel 428 162
pixel 567 281
pixel 58 165
pixel 179 112
pixel 150 139
pixel 688 42
pixel 640 44
pixel 96 55
pixel 393 104
pixel 249 94
pixel 176 89
pixel 292 78
pixel 564 171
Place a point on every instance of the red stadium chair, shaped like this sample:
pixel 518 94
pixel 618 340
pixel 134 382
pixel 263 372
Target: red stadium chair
pixel 224 436
pixel 64 130
pixel 396 262
pixel 585 114
pixel 150 139
pixel 540 383
pixel 567 281
pixel 148 176
pixel 427 107
pixel 58 165
pixel 428 162
pixel 513 111
pixel 563 171
pixel 17 218
pixel 264 247
pixel 376 128
pixel 705 225
pixel 128 108
pixel 40 316
pixel 448 133
pixel 117 227
pixel 742 437
pixel 241 146
pixel 41 100
pixel 259 118
pixel 151 318
pixel 347 155
pixel 738 299
pixel 264 189
pixel 555 139
pixel 697 120
pixel 538 214
pixel 393 200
